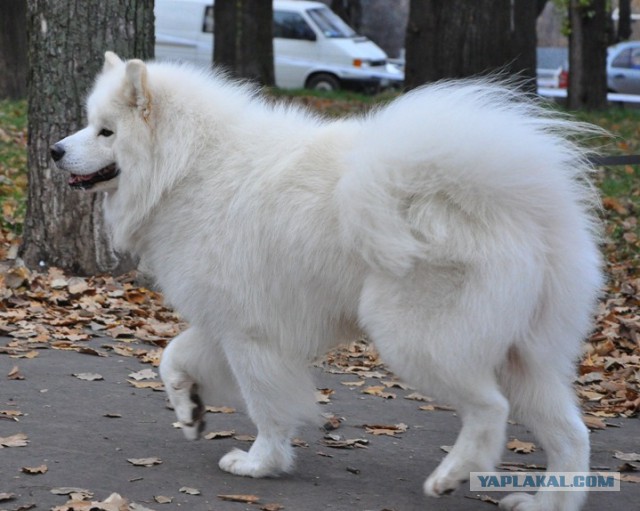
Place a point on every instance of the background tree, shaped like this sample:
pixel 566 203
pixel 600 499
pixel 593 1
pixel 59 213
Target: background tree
pixel 350 11
pixel 243 38
pixel 588 41
pixel 623 30
pixel 67 41
pixel 13 49
pixel 457 38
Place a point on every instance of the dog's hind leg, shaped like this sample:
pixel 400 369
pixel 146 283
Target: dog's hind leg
pixel 430 341
pixel 278 392
pixel 194 367
pixel 538 384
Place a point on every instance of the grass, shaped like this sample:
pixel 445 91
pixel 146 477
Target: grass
pixel 620 186
pixel 13 166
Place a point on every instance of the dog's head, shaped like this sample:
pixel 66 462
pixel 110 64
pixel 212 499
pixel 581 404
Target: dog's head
pixel 118 106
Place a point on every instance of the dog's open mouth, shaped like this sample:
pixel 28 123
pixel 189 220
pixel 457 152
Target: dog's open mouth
pixel 85 182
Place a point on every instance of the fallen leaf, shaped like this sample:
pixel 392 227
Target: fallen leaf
pixel 431 408
pixel 144 462
pixel 77 285
pixel 17 440
pixel 518 446
pixel 337 442
pixel 161 499
pixel 594 422
pixel 388 430
pixel 219 434
pixel 358 383
pixel 272 507
pixel 332 423
pixel 11 415
pixel 220 409
pixel 154 385
pixel 7 496
pixel 88 376
pixel 627 456
pixel 15 374
pixel 247 499
pixel 110 415
pixel 322 396
pixel 41 469
pixel 245 438
pixel 416 396
pixel 379 391
pixel 189 491
pixel 64 490
pixel 144 374
pixel 627 467
pixel 629 478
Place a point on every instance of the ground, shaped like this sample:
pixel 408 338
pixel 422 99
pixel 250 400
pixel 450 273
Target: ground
pixel 80 426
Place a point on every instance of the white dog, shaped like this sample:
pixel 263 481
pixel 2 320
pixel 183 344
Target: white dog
pixel 452 226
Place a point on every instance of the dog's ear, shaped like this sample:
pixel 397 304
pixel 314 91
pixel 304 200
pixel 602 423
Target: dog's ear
pixel 111 60
pixel 136 77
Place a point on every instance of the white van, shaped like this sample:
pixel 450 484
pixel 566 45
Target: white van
pixel 312 46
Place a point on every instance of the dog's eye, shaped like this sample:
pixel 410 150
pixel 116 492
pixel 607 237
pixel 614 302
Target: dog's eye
pixel 104 132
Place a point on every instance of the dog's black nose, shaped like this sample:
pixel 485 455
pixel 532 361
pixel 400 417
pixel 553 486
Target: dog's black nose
pixel 57 152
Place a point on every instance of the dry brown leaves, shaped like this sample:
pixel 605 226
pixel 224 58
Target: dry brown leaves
pixel 54 311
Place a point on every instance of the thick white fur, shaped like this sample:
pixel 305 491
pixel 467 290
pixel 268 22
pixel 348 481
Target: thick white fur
pixel 453 226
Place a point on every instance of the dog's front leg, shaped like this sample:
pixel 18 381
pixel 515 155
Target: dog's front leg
pixel 177 373
pixel 278 392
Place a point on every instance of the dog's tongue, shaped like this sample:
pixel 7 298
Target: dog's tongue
pixel 77 178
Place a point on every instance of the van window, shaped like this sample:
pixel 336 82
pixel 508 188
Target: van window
pixel 291 25
pixel 329 23
pixel 207 24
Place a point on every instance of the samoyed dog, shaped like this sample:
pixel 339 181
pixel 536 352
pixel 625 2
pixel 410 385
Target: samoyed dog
pixel 453 227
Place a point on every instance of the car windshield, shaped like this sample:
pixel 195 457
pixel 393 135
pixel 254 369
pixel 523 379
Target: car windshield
pixel 330 23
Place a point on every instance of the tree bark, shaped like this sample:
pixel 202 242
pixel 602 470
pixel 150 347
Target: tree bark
pixel 67 41
pixel 623 32
pixel 588 55
pixel 350 11
pixel 524 41
pixel 243 38
pixel 13 49
pixel 456 38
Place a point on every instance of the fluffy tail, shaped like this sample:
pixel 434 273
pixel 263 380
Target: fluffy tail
pixel 448 169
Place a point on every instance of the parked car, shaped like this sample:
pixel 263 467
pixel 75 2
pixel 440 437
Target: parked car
pixel 553 67
pixel 623 68
pixel 312 46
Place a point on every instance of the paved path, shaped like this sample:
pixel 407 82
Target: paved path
pixel 70 431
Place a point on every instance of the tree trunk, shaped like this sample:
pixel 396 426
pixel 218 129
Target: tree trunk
pixel 67 41
pixel 456 38
pixel 243 38
pixel 350 11
pixel 224 34
pixel 524 42
pixel 588 55
pixel 623 32
pixel 13 49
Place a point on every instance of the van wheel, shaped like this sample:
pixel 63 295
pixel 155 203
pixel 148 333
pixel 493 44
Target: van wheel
pixel 324 82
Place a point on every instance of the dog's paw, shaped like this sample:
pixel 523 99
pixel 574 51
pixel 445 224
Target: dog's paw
pixel 242 463
pixel 442 482
pixel 190 411
pixel 518 502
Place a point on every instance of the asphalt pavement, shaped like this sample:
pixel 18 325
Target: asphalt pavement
pixel 93 434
